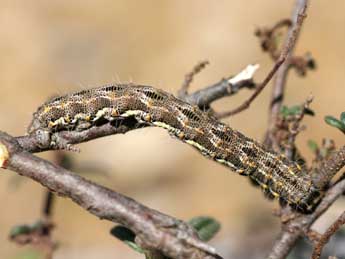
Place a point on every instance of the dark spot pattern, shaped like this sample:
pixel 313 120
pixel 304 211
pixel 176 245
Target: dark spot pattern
pixel 276 174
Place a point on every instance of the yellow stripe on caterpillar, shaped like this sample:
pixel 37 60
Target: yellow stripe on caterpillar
pixel 211 137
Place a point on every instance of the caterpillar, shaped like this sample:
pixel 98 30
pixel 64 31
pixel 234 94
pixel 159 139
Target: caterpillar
pixel 277 176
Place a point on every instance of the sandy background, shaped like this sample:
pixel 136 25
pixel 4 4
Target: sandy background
pixel 54 47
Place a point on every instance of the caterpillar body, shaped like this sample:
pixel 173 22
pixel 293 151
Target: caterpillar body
pixel 278 177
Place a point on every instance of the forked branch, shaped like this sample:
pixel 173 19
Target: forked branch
pixel 154 230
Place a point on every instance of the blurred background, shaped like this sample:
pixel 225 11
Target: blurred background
pixel 54 47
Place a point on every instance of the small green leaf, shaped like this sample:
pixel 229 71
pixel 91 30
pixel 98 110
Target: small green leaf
pixel 135 247
pixel 295 110
pixel 20 230
pixel 206 227
pixel 330 120
pixel 127 236
pixel 30 254
pixel 313 145
pixel 342 117
pixel 290 111
pixel 284 111
pixel 37 225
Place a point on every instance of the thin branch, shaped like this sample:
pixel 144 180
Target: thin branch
pixel 328 168
pixel 295 129
pixel 292 230
pixel 202 98
pixel 47 208
pixel 269 43
pixel 285 54
pixel 298 16
pixel 189 78
pixel 327 235
pixel 268 38
pixel 64 139
pixel 49 197
pixel 300 225
pixel 258 90
pixel 226 87
pixel 154 230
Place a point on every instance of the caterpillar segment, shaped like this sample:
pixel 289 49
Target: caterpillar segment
pixel 278 177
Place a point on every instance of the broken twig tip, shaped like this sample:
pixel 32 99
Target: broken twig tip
pixel 4 155
pixel 245 74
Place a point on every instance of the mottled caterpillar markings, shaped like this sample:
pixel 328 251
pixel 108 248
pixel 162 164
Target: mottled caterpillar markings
pixel 277 176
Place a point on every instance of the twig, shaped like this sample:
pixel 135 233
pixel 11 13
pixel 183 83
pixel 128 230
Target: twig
pixel 189 77
pixel 47 208
pixel 298 226
pixel 49 197
pixel 295 129
pixel 285 54
pixel 268 38
pixel 64 138
pixel 326 236
pixel 258 90
pixel 328 168
pixel 298 16
pixel 226 87
pixel 153 229
pixel 288 237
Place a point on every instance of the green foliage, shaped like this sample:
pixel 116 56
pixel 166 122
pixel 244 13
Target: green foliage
pixel 127 236
pixel 295 110
pixel 342 117
pixel 206 227
pixel 30 254
pixel 313 146
pixel 25 229
pixel 339 124
pixel 20 230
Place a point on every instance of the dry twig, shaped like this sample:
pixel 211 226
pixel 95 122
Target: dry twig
pixel 189 78
pixel 153 229
pixel 327 235
pixel 328 168
pixel 295 129
pixel 285 54
pixel 300 225
pixel 298 16
pixel 258 90
pixel 225 87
